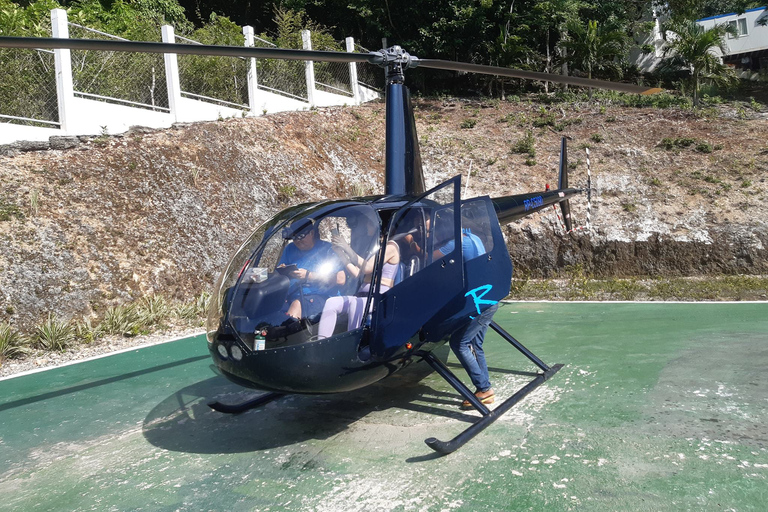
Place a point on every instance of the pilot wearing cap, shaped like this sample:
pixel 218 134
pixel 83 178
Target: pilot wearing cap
pixel 319 273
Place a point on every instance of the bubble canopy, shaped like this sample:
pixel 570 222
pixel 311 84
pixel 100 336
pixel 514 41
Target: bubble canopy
pixel 273 291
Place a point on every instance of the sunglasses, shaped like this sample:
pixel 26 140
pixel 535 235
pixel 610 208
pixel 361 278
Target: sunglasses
pixel 301 236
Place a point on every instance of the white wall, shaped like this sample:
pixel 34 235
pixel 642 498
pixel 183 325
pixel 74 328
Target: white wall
pixel 88 116
pixel 11 132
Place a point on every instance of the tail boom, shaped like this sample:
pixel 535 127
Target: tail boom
pixel 511 208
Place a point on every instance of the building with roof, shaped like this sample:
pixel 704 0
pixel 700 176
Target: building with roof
pixel 746 50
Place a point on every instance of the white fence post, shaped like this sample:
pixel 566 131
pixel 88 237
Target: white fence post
pixel 253 90
pixel 63 65
pixel 353 71
pixel 310 69
pixel 172 74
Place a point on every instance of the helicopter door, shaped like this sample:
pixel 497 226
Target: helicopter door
pixel 428 279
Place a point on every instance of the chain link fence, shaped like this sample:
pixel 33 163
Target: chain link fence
pixel 222 80
pixel 368 74
pixel 284 77
pixel 333 77
pixel 28 87
pixel 136 79
pixel 28 91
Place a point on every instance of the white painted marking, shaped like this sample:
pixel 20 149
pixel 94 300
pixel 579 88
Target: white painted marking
pixel 100 356
pixel 510 301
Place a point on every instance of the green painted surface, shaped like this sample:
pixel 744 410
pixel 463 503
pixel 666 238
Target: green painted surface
pixel 659 407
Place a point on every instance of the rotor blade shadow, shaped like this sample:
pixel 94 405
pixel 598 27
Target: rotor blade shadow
pixel 183 421
pixel 81 387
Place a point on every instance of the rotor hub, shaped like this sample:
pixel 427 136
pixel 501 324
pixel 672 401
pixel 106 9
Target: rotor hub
pixel 395 61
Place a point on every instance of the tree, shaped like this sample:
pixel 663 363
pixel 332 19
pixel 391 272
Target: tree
pixel 594 49
pixel 690 46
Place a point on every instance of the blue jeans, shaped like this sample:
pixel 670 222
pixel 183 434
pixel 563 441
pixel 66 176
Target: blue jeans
pixel 471 337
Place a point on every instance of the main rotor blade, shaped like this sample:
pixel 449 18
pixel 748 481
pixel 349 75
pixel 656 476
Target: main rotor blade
pixel 187 49
pixel 534 75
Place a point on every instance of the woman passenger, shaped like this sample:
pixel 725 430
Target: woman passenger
pixel 356 265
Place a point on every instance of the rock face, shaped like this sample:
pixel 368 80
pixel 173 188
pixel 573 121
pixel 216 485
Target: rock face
pixel 88 223
pixel 728 252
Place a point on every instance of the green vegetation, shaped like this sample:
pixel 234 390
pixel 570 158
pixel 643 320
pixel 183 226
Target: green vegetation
pixel 577 37
pixel 286 192
pixel 12 344
pixel 145 316
pixel 577 286
pixel 54 334
pixel 692 49
pixel 9 210
pixel 525 145
pixel 595 47
pixel 680 142
pixel 468 123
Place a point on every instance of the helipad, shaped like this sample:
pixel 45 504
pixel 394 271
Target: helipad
pixel 659 407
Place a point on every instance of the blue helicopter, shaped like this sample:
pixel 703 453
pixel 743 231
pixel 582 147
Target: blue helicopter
pixel 335 295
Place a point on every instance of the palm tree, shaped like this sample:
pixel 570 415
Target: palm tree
pixel 690 46
pixel 593 48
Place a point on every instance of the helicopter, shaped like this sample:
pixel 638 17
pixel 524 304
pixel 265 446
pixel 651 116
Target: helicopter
pixel 267 326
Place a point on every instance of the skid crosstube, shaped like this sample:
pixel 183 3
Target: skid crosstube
pixel 245 406
pixel 446 447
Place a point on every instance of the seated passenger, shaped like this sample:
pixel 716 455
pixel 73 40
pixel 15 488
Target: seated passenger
pixel 471 246
pixel 357 265
pixel 319 272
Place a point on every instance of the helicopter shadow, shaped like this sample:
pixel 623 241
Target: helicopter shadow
pixel 183 422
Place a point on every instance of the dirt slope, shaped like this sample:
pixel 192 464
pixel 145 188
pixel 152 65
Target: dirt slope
pixel 115 218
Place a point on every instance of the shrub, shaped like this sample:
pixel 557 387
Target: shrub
pixel 54 334
pixel 669 143
pixel 122 320
pixel 525 145
pixel 12 344
pixel 468 123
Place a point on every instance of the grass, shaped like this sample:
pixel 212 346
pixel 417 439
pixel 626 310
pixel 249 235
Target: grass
pixel 576 285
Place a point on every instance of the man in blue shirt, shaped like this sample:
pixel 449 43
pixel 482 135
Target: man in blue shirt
pixel 467 342
pixel 318 275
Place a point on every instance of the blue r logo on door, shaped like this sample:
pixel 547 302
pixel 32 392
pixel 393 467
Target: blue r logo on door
pixel 477 296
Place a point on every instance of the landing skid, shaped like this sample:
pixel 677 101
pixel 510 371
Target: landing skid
pixel 446 447
pixel 245 406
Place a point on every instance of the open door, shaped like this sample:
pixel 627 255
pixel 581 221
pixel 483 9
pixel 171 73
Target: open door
pixel 428 278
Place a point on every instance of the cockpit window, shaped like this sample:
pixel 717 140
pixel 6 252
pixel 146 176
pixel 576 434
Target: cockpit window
pixel 309 279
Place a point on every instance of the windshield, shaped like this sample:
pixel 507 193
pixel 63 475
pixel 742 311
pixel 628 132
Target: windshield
pixel 309 279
